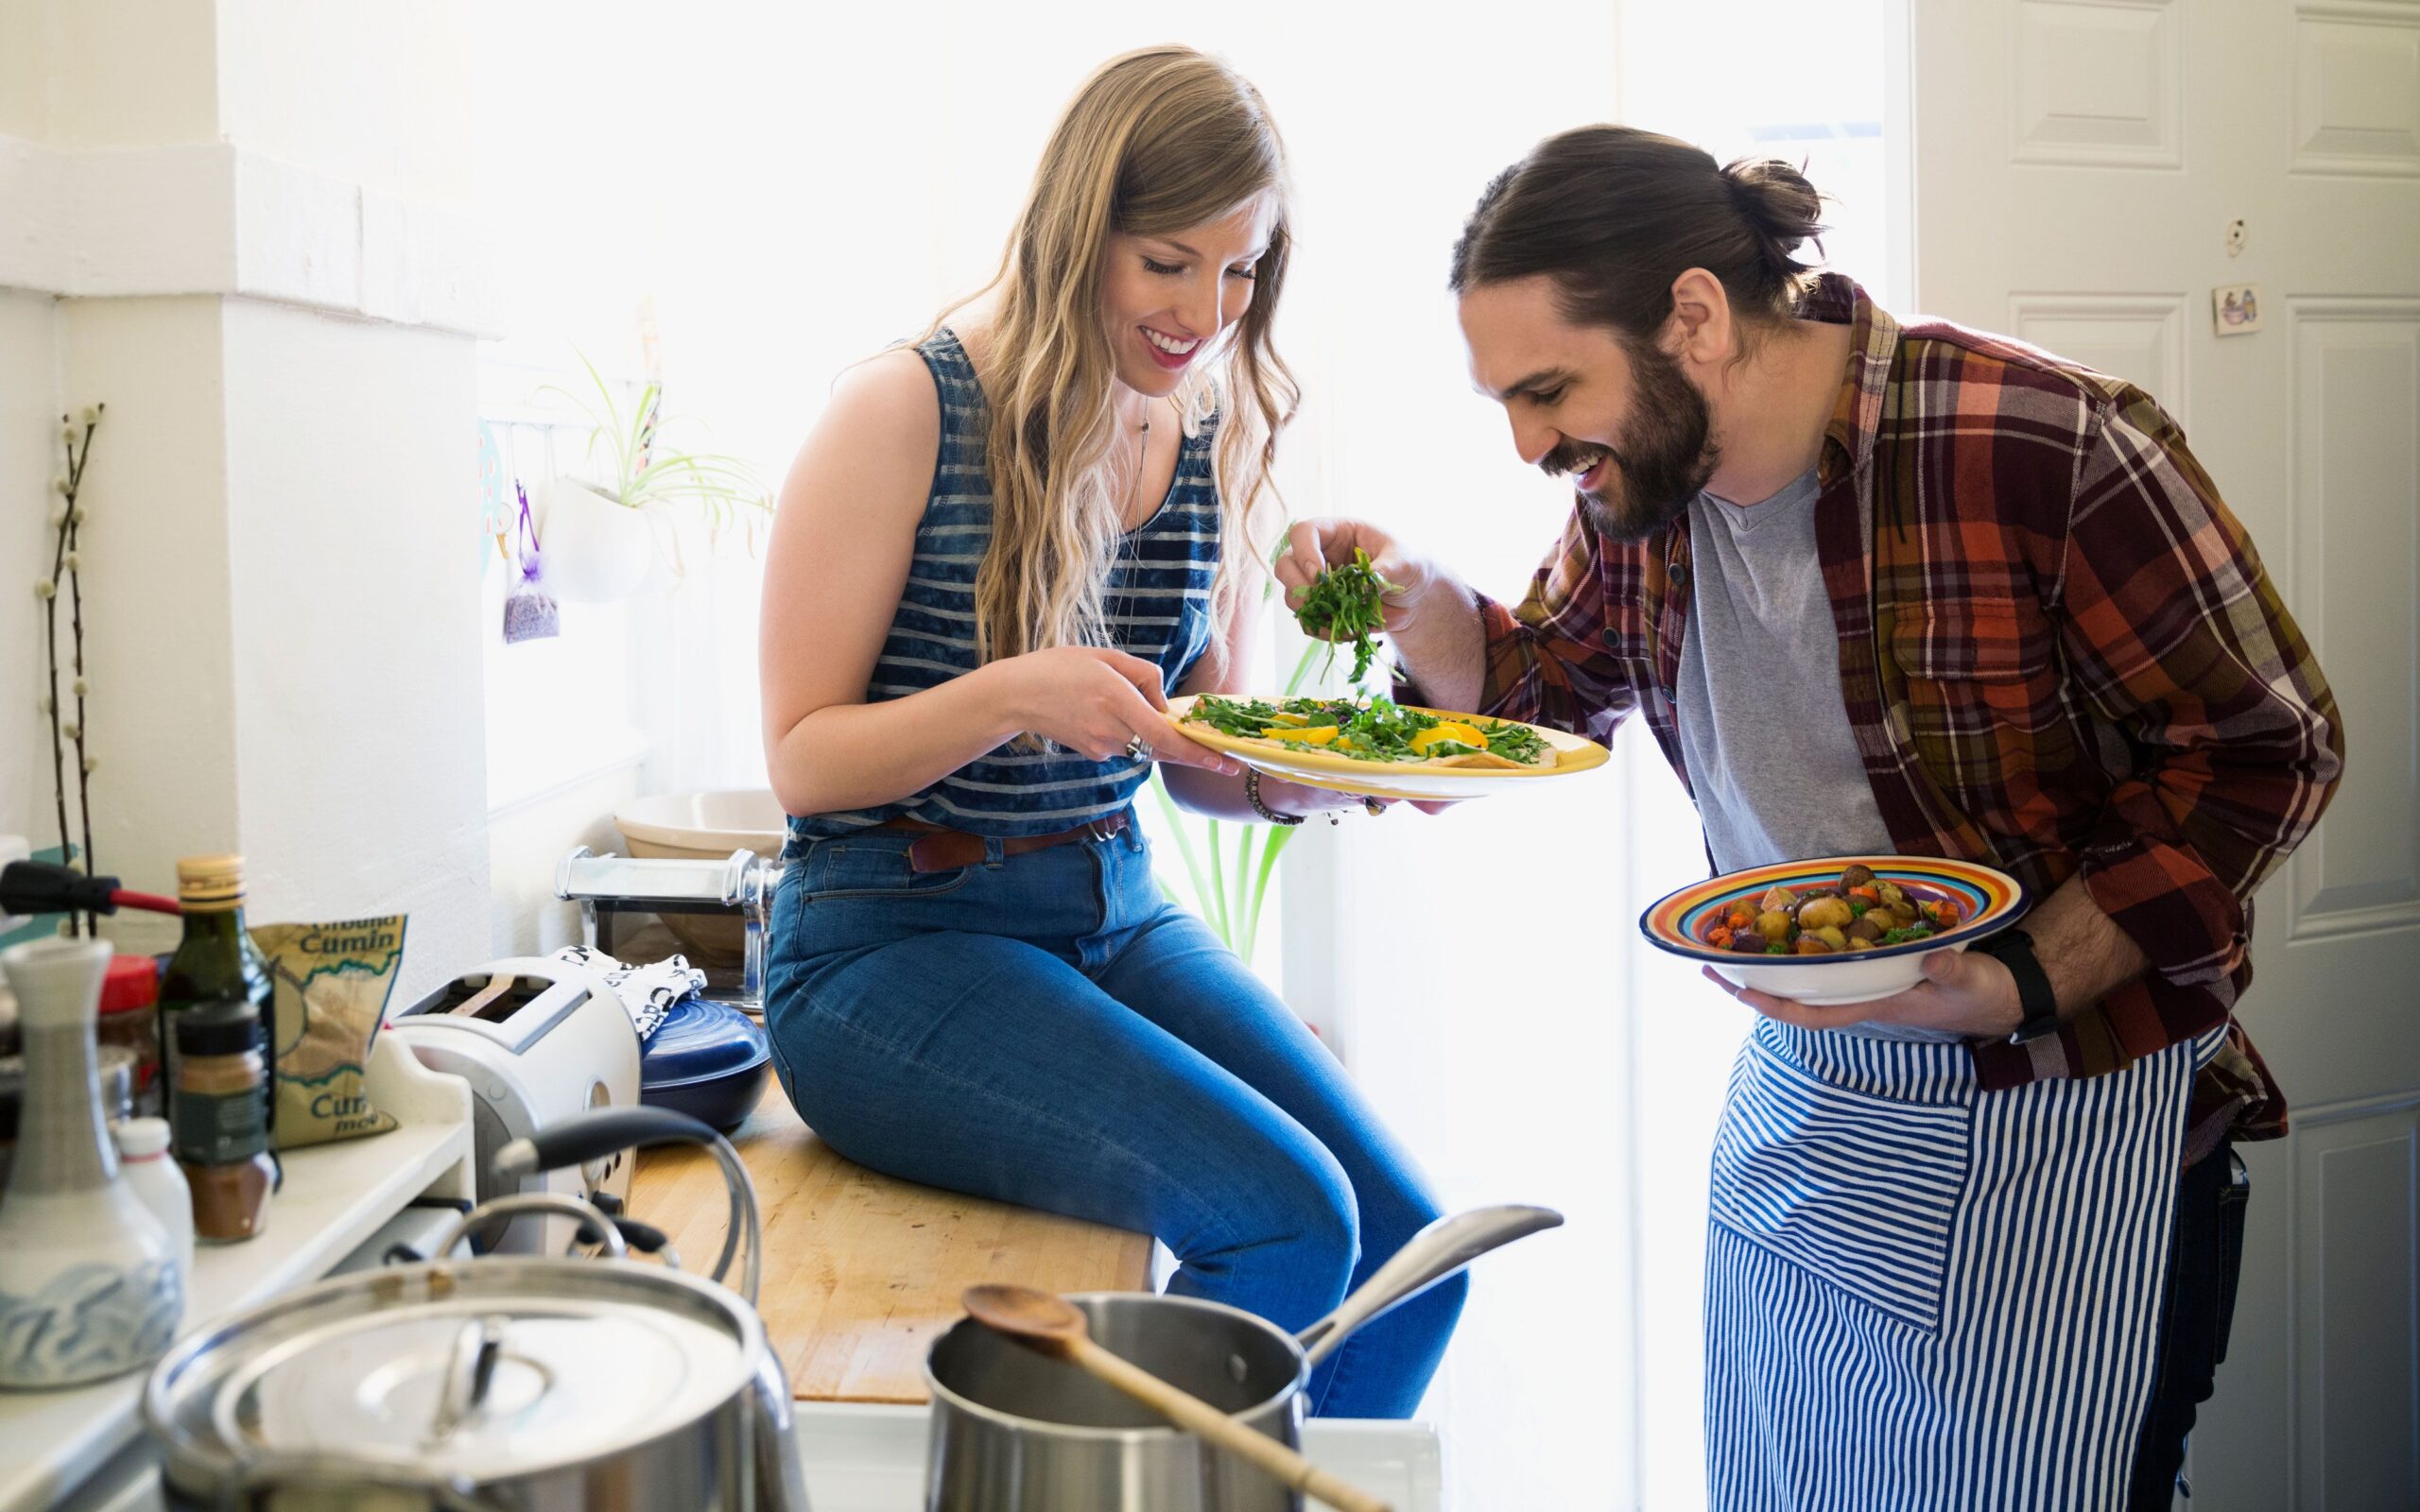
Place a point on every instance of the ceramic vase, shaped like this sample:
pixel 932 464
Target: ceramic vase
pixel 90 1287
pixel 596 549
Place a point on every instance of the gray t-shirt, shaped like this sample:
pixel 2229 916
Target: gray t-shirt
pixel 1767 739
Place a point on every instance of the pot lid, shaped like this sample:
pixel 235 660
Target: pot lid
pixel 479 1392
pixel 487 1370
pixel 700 1038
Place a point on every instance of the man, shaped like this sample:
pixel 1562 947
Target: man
pixel 1918 590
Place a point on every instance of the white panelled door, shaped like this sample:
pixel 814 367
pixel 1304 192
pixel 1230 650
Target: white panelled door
pixel 2085 173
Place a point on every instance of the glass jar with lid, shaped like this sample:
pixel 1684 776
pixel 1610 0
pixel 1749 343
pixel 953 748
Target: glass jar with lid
pixel 131 1019
pixel 217 1112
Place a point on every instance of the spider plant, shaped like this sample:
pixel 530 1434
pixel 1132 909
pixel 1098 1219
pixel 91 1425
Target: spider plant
pixel 638 469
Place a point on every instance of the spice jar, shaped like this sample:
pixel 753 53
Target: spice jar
pixel 219 1116
pixel 127 1019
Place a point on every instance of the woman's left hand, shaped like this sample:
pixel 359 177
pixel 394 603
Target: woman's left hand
pixel 1300 798
pixel 1964 992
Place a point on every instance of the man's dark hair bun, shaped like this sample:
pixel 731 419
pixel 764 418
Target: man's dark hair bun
pixel 1781 207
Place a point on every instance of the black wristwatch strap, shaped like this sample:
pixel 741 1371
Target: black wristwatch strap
pixel 2014 949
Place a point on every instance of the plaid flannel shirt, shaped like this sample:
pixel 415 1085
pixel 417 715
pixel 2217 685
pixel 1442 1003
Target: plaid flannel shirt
pixel 2059 654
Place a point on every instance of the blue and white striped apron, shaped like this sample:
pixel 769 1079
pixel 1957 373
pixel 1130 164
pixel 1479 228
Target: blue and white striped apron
pixel 1920 1295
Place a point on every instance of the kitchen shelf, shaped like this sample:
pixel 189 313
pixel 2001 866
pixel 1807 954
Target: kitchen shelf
pixel 336 1196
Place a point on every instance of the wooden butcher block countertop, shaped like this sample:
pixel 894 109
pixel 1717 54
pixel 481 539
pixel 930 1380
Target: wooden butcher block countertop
pixel 862 1271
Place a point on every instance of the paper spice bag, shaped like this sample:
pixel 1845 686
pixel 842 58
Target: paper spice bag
pixel 332 980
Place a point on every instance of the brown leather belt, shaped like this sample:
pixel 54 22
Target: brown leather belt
pixel 946 850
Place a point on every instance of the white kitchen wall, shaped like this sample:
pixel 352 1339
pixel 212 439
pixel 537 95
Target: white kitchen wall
pixel 159 584
pixel 373 95
pixel 253 244
pixel 29 458
pixel 358 774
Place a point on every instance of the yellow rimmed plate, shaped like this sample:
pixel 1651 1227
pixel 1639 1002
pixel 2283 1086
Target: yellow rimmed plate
pixel 1574 754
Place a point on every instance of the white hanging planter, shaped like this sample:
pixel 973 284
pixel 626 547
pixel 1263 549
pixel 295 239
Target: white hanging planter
pixel 594 549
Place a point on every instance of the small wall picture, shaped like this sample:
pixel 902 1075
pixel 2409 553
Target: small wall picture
pixel 2235 310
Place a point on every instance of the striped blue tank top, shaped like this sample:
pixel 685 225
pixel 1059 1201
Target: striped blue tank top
pixel 1156 601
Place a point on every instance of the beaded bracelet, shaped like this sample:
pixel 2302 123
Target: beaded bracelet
pixel 1252 796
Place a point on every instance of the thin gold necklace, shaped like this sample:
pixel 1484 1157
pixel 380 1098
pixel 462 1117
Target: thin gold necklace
pixel 1142 465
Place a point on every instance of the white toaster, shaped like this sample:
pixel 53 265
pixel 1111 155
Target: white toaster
pixel 538 1040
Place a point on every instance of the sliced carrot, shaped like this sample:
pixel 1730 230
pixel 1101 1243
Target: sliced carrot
pixel 1866 894
pixel 1718 937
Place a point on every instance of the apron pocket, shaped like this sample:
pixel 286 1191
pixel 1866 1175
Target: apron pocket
pixel 1859 1191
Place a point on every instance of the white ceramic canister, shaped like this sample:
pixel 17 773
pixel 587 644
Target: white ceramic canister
pixel 89 1282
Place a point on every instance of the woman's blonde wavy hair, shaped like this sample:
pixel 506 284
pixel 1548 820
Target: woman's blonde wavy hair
pixel 1156 141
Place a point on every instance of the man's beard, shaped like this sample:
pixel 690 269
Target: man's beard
pixel 1664 461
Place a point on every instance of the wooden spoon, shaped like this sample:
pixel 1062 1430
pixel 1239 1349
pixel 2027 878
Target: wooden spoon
pixel 1056 1327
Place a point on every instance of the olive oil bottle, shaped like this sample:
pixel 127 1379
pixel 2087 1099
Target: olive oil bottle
pixel 215 961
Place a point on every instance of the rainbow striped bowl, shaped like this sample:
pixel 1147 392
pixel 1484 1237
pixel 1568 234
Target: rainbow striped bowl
pixel 1990 900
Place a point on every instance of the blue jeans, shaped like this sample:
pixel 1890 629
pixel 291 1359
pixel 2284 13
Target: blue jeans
pixel 1046 1029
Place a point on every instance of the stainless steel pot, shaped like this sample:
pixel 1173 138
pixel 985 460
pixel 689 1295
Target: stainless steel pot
pixel 503 1384
pixel 1015 1430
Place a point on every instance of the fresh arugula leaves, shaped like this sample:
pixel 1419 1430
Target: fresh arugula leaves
pixel 1345 603
pixel 1378 730
pixel 1519 741
pixel 1235 717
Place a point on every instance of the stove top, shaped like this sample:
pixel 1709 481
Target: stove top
pixel 871 1459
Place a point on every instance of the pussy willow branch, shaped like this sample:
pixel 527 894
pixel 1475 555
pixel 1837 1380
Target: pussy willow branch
pixel 65 562
pixel 50 647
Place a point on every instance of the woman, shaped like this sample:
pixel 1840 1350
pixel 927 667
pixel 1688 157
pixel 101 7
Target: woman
pixel 996 550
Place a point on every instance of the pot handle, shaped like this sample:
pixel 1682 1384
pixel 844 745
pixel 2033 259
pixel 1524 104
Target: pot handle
pixel 1442 1248
pixel 599 1132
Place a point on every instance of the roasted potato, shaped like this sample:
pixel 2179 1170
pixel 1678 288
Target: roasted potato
pixel 1824 913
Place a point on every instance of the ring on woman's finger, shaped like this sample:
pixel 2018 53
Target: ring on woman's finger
pixel 1138 748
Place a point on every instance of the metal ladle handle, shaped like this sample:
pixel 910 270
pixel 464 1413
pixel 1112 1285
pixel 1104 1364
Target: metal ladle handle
pixel 519 1202
pixel 599 1132
pixel 1428 1256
